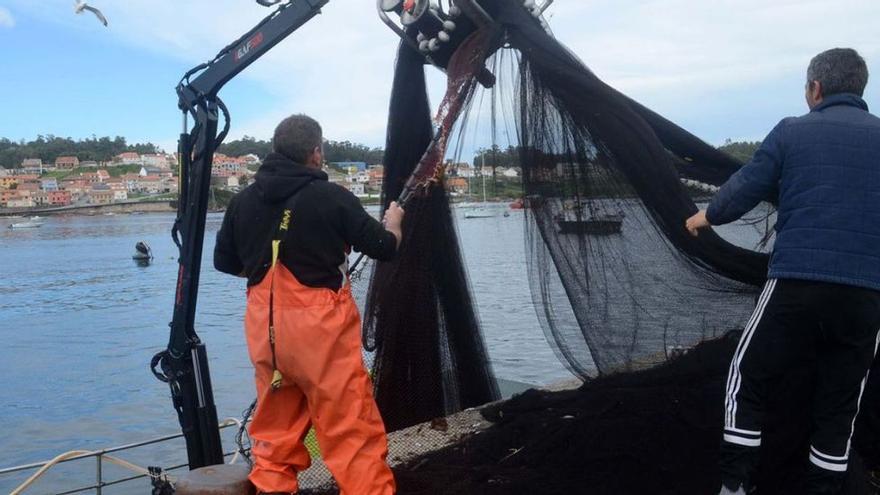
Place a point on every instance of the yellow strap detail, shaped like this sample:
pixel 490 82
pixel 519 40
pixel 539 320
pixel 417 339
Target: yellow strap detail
pixel 285 220
pixel 276 380
pixel 276 245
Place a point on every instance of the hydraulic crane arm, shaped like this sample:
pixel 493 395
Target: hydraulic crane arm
pixel 184 364
pixel 425 26
pixel 254 44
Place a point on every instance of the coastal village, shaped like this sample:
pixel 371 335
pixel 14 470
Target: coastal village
pixel 67 181
pixel 130 177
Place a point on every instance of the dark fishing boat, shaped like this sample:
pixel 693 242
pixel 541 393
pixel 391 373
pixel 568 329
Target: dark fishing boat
pixel 588 218
pixel 602 224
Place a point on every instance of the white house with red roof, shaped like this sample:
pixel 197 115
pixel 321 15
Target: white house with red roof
pixel 129 158
pixel 154 160
pixel 66 162
pixel 32 166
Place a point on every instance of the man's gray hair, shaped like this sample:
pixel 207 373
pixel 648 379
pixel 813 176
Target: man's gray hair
pixel 296 137
pixel 839 70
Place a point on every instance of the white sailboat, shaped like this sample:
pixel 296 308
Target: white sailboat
pixel 481 211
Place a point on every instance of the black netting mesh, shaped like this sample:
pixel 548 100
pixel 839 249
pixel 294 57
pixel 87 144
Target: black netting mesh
pixel 605 227
pixel 430 359
pixel 617 282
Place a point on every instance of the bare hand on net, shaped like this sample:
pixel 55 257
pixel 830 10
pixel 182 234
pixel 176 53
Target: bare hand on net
pixel 697 222
pixel 393 216
pixel 393 220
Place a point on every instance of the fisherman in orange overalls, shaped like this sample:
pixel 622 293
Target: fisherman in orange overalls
pixel 290 234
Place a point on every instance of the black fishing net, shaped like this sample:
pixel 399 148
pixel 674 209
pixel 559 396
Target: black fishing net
pixel 430 359
pixel 618 283
pixel 653 431
pixel 605 217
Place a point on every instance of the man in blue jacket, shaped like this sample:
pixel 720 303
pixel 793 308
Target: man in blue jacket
pixel 821 303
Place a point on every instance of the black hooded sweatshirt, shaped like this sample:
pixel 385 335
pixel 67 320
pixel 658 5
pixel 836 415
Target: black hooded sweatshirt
pixel 327 222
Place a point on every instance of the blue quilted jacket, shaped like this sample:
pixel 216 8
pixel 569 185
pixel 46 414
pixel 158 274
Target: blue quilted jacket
pixel 824 168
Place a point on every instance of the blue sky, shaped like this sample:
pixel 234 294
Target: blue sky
pixel 719 68
pixel 78 81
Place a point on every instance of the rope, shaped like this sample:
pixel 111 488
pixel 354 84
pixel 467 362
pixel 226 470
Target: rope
pixel 74 453
pixel 115 460
pixel 242 434
pixel 240 426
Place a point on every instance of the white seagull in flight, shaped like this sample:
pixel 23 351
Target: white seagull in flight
pixel 81 6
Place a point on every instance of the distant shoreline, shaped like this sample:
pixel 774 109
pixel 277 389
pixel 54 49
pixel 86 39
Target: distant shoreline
pixel 154 206
pixel 166 206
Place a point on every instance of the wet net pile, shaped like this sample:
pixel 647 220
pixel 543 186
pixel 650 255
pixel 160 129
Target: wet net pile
pixel 652 431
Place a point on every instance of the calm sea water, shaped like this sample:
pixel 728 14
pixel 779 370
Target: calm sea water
pixel 79 322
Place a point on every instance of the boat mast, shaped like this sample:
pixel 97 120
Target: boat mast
pixel 482 174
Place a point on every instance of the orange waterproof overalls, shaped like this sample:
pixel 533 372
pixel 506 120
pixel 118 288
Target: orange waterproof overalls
pixel 323 382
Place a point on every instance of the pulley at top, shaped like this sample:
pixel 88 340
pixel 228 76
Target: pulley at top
pixel 436 32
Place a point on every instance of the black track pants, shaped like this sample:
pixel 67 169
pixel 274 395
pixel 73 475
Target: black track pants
pixel 795 321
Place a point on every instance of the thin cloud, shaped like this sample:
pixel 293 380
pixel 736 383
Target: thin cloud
pixel 686 45
pixel 6 19
pixel 673 55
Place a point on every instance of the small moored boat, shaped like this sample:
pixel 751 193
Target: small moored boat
pixel 479 213
pixel 142 252
pixel 605 225
pixel 26 225
pixel 586 218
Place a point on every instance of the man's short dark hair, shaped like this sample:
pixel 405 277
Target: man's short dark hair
pixel 296 137
pixel 839 70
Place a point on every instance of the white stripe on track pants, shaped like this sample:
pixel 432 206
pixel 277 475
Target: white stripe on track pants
pixel 794 321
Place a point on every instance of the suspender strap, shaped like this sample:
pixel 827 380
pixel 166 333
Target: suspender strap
pixel 280 233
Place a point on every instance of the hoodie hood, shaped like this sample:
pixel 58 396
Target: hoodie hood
pixel 280 178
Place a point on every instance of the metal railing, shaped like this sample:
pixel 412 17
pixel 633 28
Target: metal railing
pixel 103 455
